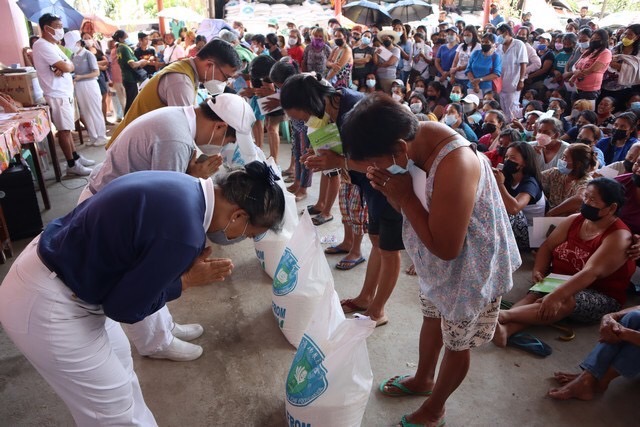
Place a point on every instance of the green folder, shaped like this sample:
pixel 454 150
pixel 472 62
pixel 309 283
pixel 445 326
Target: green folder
pixel 326 138
pixel 550 283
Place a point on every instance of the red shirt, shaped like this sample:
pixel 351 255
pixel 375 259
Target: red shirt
pixel 494 157
pixel 630 212
pixel 296 53
pixel 571 256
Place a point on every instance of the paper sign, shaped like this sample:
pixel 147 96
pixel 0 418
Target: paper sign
pixel 326 138
pixel 550 283
pixel 542 227
pixel 262 102
pixel 384 53
pixel 608 172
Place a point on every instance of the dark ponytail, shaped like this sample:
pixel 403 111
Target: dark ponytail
pixel 306 92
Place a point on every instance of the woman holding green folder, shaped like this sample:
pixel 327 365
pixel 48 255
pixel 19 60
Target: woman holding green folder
pixel 591 247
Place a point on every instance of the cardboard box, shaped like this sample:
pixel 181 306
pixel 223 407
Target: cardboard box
pixel 23 87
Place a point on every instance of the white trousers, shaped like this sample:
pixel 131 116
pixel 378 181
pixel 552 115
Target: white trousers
pixel 153 333
pixel 82 354
pixel 121 98
pixel 510 103
pixel 90 105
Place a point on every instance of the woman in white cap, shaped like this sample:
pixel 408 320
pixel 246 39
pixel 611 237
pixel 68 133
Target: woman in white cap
pixel 386 59
pixel 166 139
pixel 87 89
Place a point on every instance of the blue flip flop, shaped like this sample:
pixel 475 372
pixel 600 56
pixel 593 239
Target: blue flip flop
pixel 530 344
pixel 405 423
pixel 403 391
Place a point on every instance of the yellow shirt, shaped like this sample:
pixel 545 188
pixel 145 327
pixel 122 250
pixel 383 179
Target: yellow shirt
pixel 148 98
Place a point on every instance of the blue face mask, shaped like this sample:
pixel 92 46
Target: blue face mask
pixel 635 104
pixel 525 102
pixel 562 167
pixel 499 40
pixel 220 237
pixel 396 169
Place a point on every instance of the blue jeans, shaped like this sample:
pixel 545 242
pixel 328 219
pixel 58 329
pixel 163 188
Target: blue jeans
pixel 623 357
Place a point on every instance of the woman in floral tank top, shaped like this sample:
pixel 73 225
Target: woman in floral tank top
pixel 456 232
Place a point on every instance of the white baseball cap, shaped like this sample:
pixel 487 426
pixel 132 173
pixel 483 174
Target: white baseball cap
pixel 471 99
pixel 234 111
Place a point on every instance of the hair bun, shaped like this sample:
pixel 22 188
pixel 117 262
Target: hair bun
pixel 262 172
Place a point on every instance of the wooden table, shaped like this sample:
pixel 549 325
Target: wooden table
pixel 24 129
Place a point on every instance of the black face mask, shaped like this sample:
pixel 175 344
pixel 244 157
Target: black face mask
pixel 502 151
pixel 618 135
pixel 386 43
pixel 567 49
pixel 339 42
pixel 595 44
pixel 493 11
pixel 489 127
pixel 590 212
pixel 485 47
pixel 628 165
pixel 267 45
pixel 522 39
pixel 510 167
pixel 636 180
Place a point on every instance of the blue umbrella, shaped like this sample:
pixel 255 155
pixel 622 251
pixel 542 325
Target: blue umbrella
pixel 34 9
pixel 367 13
pixel 410 10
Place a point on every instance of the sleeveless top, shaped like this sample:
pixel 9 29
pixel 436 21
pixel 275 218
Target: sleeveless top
pixel 148 98
pixel 570 257
pixel 461 288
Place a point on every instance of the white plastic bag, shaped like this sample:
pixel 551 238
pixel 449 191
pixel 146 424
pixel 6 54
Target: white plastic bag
pixel 270 247
pixel 300 280
pixel 330 379
pixel 242 151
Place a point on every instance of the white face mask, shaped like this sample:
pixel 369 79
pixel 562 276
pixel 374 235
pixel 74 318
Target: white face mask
pixel 419 90
pixel 215 87
pixel 58 33
pixel 397 97
pixel 293 41
pixel 416 107
pixel 77 49
pixel 160 48
pixel 371 83
pixel 211 149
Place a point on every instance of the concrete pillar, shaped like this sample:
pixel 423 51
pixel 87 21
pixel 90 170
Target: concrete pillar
pixel 15 35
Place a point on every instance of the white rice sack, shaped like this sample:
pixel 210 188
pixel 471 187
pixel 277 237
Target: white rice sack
pixel 330 378
pixel 300 280
pixel 270 247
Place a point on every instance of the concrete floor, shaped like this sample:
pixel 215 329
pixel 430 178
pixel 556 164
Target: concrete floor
pixel 239 380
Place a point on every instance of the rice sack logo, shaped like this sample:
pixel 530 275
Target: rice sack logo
pixel 285 278
pixel 307 378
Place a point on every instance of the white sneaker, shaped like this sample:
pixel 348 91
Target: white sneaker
pixel 78 169
pixel 178 351
pixel 187 332
pixel 100 142
pixel 89 143
pixel 84 161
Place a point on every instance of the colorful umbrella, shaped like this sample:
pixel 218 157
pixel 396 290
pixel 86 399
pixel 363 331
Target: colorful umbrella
pixel 181 14
pixel 101 24
pixel 34 9
pixel 367 13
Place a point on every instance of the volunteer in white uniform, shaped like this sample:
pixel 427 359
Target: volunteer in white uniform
pixel 87 88
pixel 514 72
pixel 54 75
pixel 166 139
pixel 119 257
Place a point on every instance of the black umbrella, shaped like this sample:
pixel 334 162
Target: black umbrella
pixel 410 10
pixel 366 13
